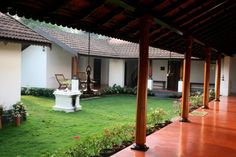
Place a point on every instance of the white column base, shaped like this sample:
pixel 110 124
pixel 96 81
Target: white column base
pixel 180 83
pixel 150 84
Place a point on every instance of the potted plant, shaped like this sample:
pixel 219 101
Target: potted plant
pixel 20 109
pixel 17 117
pixel 16 113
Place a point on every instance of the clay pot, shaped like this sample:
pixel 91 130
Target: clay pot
pixel 17 120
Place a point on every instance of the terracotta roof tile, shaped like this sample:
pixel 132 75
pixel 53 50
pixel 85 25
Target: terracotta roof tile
pixel 131 50
pixel 11 29
pixel 78 43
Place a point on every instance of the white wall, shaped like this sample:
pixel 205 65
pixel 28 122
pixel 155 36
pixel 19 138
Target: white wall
pixel 116 72
pixel 225 73
pixel 58 62
pixel 197 72
pixel 10 75
pixel 33 67
pixel 232 76
pixel 157 73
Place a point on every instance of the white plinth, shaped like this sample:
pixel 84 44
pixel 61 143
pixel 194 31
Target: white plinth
pixel 64 100
pixel 180 86
pixel 150 84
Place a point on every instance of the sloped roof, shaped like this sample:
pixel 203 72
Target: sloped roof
pixel 114 48
pixel 77 43
pixel 131 50
pixel 13 30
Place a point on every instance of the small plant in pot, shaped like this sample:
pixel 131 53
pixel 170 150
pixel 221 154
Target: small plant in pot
pixel 18 111
pixel 21 109
pixel 16 117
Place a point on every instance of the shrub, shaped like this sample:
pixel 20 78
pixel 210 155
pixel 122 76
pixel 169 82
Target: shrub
pixel 44 92
pixel 92 146
pixel 157 116
pixel 116 89
pixel 19 110
pixel 177 107
pixel 211 94
pixel 1 110
pixel 8 116
pixel 196 101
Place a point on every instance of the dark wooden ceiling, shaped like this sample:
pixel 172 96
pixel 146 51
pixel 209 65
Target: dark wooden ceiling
pixel 210 22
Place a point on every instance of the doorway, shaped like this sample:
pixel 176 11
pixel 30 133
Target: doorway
pixel 97 73
pixel 174 75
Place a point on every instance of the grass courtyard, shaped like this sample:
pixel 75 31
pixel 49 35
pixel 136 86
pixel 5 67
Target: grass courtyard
pixel 46 130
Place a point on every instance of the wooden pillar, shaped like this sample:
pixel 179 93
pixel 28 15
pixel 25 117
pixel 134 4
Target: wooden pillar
pixel 186 81
pixel 218 74
pixel 140 132
pixel 74 66
pixel 206 78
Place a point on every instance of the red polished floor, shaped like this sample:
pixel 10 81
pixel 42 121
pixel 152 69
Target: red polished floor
pixel 213 135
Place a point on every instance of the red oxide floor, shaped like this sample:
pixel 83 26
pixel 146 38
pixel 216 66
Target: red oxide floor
pixel 213 135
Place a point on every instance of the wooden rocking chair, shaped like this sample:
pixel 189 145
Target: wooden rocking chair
pixel 82 80
pixel 63 82
pixel 82 76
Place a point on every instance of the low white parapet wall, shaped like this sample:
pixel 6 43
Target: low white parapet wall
pixel 67 100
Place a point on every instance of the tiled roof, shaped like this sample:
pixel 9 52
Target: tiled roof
pixel 131 50
pixel 78 43
pixel 12 30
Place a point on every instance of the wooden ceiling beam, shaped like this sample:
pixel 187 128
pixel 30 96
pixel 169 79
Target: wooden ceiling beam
pixel 214 31
pixel 184 11
pixel 208 15
pixel 218 30
pixel 157 34
pixel 174 43
pixel 222 34
pixel 196 12
pixel 85 12
pixel 172 7
pixel 211 23
pixel 202 13
pixel 161 36
pixel 57 4
pixel 109 16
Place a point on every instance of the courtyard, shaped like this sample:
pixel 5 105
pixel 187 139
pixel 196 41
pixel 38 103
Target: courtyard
pixel 47 131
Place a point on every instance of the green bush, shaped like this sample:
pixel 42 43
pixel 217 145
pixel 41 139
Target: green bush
pixel 117 89
pixel 177 107
pixel 44 92
pixel 196 101
pixel 211 94
pixel 156 116
pixel 92 146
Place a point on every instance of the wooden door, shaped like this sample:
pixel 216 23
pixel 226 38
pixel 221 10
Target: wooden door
pixel 174 75
pixel 97 72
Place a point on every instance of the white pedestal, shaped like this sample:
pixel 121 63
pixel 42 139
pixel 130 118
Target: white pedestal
pixel 150 84
pixel 180 86
pixel 64 100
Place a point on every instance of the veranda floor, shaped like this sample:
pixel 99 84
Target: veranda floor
pixel 213 135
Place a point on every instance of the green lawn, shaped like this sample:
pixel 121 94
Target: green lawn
pixel 47 130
